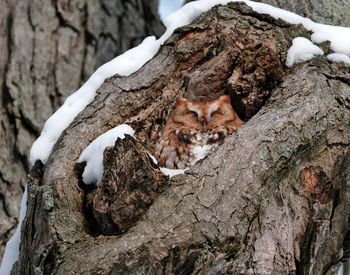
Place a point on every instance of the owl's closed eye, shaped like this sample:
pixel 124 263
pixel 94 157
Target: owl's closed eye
pixel 193 129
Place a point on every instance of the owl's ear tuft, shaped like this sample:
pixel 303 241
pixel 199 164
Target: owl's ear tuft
pixel 225 98
pixel 181 100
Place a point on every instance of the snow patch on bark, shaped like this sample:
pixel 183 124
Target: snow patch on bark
pixel 301 50
pixel 166 171
pixel 125 64
pixel 12 247
pixel 338 57
pixel 93 153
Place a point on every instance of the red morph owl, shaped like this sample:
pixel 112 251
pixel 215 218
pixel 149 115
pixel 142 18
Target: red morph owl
pixel 193 129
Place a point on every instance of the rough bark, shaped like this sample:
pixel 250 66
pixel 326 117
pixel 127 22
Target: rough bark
pixel 123 25
pixel 127 189
pixel 48 49
pixel 321 11
pixel 326 12
pixel 273 198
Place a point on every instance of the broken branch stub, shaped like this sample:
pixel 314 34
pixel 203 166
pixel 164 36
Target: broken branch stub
pixel 130 183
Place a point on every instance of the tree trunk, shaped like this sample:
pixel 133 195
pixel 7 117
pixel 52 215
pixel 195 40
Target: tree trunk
pixel 326 12
pixel 273 198
pixel 48 49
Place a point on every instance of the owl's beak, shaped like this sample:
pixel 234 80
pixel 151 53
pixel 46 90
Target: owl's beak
pixel 204 123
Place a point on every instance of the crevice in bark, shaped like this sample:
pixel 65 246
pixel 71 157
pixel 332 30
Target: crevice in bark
pixel 89 194
pixel 88 41
pixel 28 125
pixel 29 15
pixel 62 21
pixel 105 8
pixel 2 198
pixel 6 97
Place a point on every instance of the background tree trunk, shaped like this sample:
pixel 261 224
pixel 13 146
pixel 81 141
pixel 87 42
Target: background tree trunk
pixel 273 198
pixel 48 49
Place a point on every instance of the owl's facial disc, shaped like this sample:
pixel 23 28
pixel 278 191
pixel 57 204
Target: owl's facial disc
pixel 211 109
pixel 195 109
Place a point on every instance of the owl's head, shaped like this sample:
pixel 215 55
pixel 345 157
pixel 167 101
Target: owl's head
pixel 205 114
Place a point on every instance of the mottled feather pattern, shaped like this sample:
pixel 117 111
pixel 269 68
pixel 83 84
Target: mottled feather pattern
pixel 193 129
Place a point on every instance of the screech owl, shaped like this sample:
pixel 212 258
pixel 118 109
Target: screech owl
pixel 193 129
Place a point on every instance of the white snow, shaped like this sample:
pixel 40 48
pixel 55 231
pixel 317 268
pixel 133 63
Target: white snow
pixel 152 158
pixel 339 57
pixel 135 58
pixel 93 154
pixel 302 49
pixel 125 64
pixel 338 36
pixel 166 171
pixel 172 172
pixel 12 247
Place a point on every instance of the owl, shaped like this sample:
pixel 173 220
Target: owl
pixel 193 129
